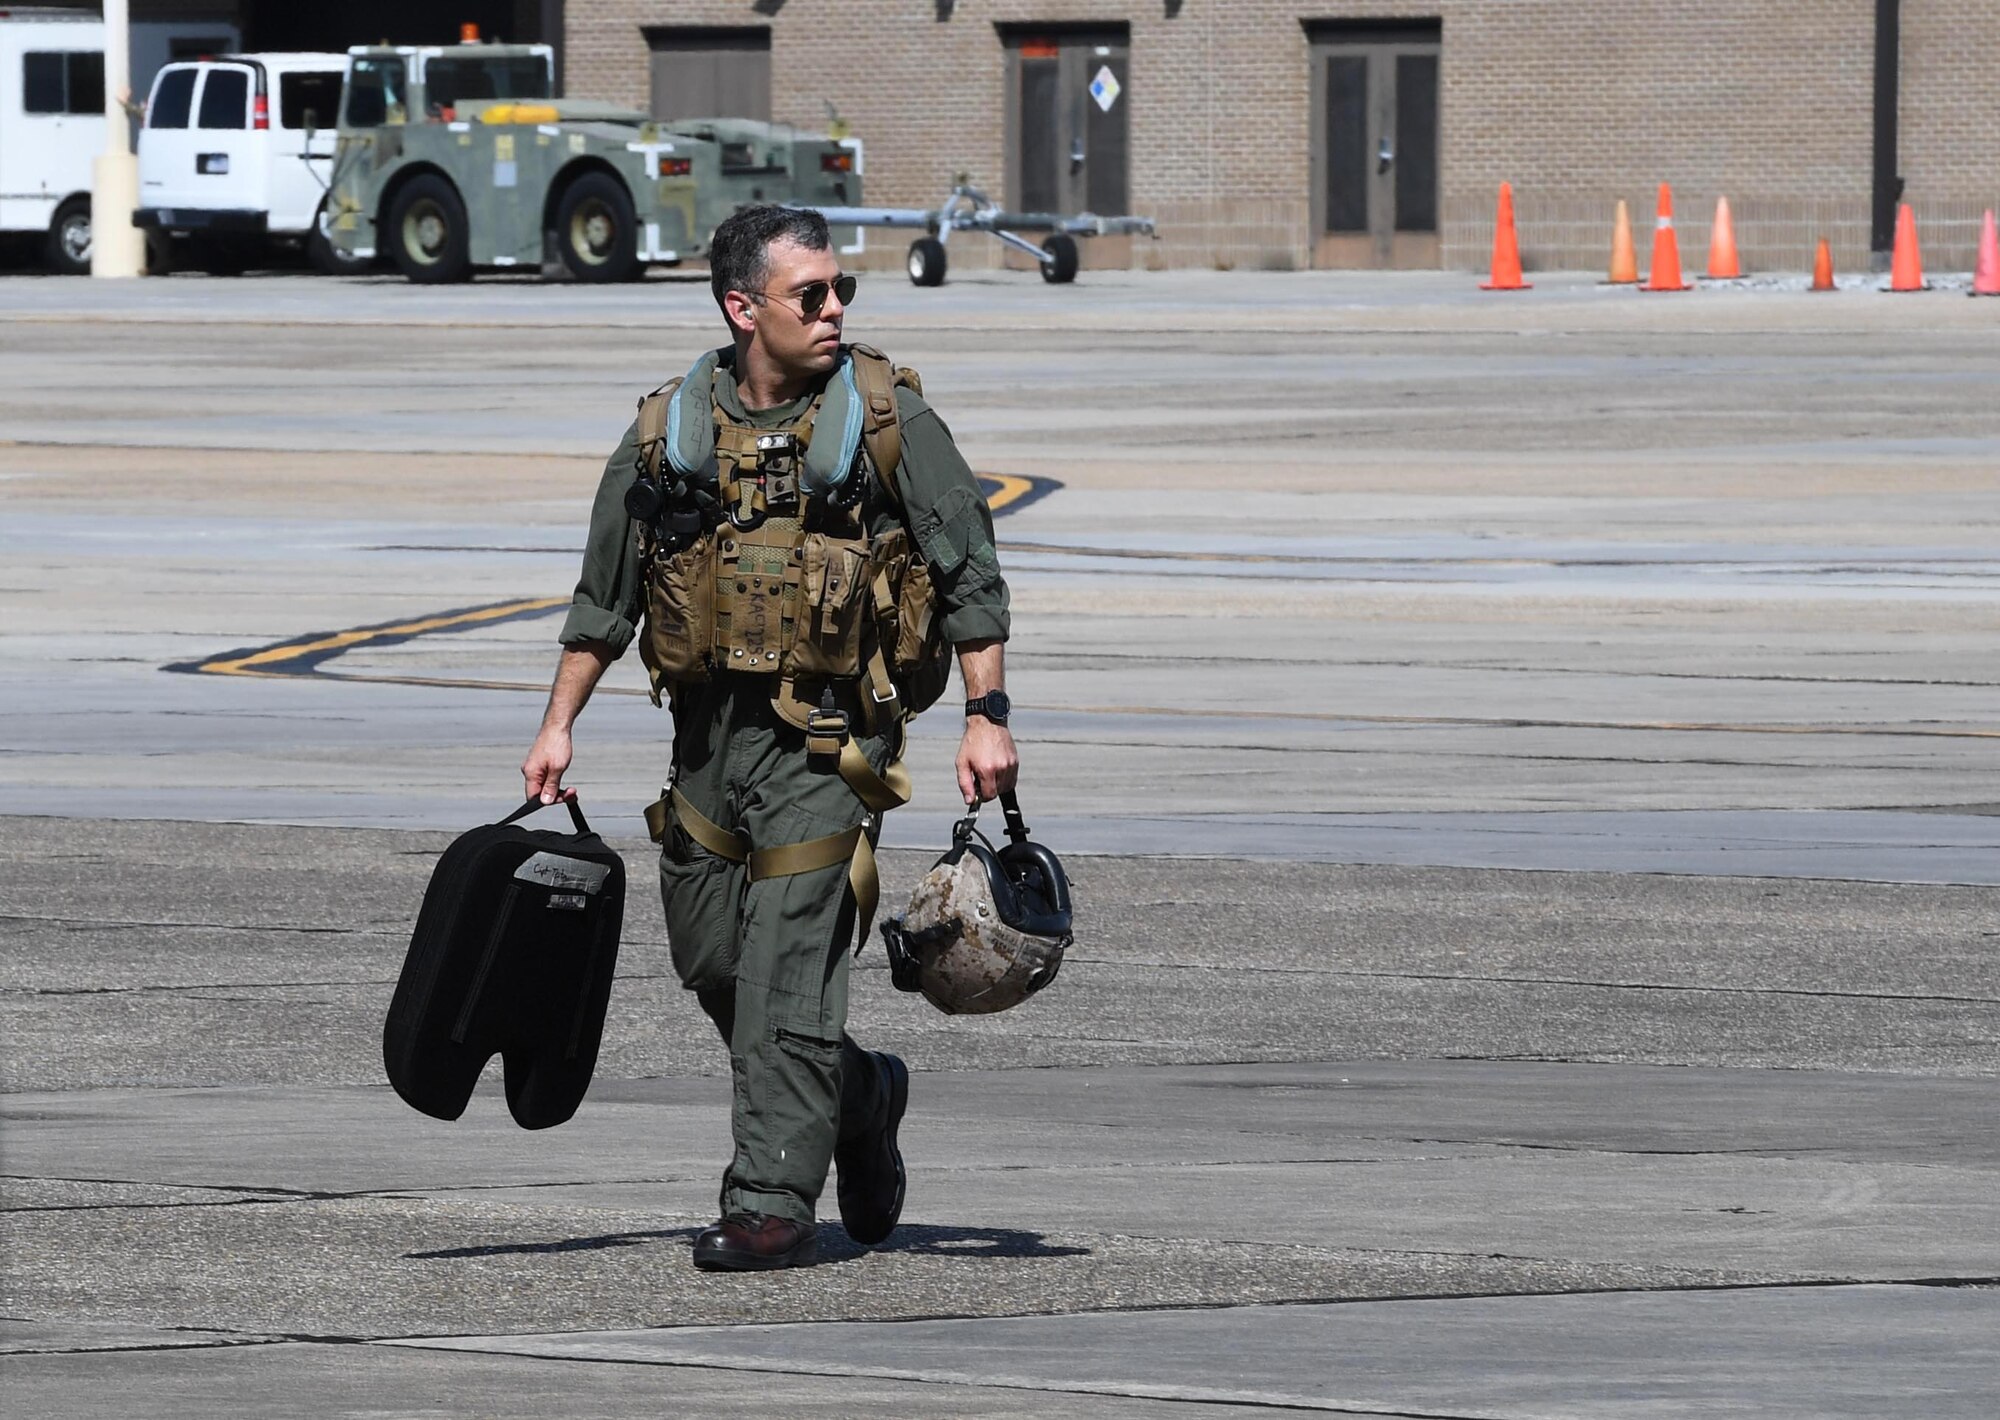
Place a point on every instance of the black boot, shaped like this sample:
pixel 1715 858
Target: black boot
pixel 872 1182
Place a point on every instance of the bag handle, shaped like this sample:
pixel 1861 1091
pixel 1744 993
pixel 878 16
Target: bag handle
pixel 575 813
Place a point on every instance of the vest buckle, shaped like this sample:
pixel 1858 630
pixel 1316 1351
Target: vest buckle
pixel 827 729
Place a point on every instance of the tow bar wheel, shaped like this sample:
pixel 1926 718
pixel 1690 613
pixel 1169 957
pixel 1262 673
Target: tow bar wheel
pixel 1059 265
pixel 926 261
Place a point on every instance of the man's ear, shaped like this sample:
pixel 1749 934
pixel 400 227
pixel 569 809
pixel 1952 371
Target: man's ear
pixel 740 311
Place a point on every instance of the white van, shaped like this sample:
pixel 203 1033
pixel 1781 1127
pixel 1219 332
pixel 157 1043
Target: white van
pixel 235 154
pixel 52 115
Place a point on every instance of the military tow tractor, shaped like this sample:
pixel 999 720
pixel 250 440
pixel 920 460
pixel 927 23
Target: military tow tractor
pixel 454 158
pixel 968 209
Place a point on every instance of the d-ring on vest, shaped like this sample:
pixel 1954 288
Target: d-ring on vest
pixel 760 562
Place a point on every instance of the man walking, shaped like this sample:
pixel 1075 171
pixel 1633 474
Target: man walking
pixel 805 548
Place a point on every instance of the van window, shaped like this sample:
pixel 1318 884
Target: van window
pixel 318 93
pixel 375 91
pixel 225 99
pixel 172 98
pixel 58 81
pixel 449 79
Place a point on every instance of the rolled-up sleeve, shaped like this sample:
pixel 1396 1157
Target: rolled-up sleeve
pixel 608 603
pixel 953 528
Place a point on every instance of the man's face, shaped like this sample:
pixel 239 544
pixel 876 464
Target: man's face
pixel 796 343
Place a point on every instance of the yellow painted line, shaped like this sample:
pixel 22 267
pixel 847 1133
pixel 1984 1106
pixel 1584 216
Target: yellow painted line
pixel 260 662
pixel 1011 488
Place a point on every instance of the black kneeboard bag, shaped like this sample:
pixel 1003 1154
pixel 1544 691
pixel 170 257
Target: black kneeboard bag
pixel 512 955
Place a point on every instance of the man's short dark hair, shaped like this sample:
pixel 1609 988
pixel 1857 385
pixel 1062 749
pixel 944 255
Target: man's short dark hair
pixel 739 256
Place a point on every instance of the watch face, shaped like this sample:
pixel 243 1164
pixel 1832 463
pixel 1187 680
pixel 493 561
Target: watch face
pixel 998 705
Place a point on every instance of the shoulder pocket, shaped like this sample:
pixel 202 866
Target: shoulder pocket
pixel 945 529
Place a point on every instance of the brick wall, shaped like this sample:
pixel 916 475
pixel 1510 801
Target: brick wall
pixel 1576 102
pixel 1949 115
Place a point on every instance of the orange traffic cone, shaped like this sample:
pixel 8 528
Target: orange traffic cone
pixel 1823 267
pixel 1986 275
pixel 1906 262
pixel 1506 250
pixel 1666 272
pixel 1624 260
pixel 1722 261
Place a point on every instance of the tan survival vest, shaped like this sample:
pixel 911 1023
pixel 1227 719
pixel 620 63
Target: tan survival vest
pixel 793 587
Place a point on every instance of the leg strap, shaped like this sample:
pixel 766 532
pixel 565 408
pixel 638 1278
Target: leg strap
pixel 854 846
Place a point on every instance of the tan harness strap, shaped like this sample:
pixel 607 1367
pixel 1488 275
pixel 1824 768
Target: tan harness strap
pixel 653 426
pixel 705 831
pixel 881 431
pixel 790 859
pixel 879 793
pixel 852 846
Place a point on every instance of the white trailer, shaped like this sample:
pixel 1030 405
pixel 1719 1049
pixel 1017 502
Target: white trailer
pixel 52 116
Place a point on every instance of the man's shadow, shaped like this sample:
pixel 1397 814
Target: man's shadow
pixel 917 1239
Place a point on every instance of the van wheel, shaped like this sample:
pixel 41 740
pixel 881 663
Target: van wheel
pixel 1060 268
pixel 597 232
pixel 67 250
pixel 427 235
pixel 328 259
pixel 926 261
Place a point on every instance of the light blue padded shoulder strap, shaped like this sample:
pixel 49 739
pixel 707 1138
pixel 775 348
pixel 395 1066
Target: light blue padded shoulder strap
pixel 836 431
pixel 830 461
pixel 691 419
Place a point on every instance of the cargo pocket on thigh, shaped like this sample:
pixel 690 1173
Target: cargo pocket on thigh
pixel 702 896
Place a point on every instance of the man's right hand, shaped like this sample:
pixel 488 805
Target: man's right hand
pixel 545 765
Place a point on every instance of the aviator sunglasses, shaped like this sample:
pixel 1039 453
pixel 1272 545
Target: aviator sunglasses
pixel 812 297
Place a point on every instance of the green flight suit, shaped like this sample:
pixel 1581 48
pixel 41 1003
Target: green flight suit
pixel 769 960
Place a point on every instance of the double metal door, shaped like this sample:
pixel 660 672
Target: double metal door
pixel 1375 147
pixel 1069 104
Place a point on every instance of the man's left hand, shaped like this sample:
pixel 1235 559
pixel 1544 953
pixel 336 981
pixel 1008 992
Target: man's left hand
pixel 987 763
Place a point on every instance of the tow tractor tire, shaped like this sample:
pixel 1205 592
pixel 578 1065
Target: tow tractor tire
pixel 597 232
pixel 427 232
pixel 1060 268
pixel 328 259
pixel 67 248
pixel 926 261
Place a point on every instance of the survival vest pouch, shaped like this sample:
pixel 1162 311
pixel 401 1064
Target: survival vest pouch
pixel 757 558
pixel 512 955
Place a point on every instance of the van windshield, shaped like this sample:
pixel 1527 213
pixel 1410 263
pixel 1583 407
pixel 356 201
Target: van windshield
pixel 450 79
pixel 375 90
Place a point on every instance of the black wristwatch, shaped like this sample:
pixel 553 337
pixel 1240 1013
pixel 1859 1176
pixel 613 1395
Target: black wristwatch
pixel 994 705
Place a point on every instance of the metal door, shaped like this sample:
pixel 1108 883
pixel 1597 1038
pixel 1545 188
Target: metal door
pixel 168 142
pixel 703 72
pixel 1375 145
pixel 230 155
pixel 1068 139
pixel 302 153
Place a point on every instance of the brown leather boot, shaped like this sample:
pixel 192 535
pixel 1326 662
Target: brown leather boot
pixel 756 1242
